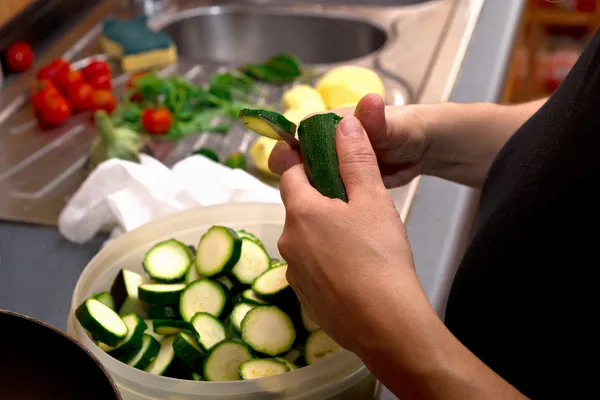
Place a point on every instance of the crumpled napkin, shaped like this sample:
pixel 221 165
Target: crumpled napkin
pixel 131 194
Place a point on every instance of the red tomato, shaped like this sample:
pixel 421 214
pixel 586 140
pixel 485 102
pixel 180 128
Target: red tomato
pixel 95 68
pixel 101 82
pixel 19 57
pixel 38 92
pixel 103 100
pixel 69 80
pixel 52 70
pixel 157 121
pixel 80 97
pixel 54 111
pixel 131 81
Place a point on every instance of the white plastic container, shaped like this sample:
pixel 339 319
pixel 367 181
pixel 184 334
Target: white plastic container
pixel 342 376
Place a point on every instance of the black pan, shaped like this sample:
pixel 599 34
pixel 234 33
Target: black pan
pixel 39 362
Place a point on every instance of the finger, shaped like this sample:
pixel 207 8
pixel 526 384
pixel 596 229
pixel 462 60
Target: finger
pixel 294 184
pixel 358 164
pixel 283 157
pixel 370 111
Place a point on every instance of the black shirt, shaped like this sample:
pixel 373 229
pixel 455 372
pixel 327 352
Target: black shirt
pixel 522 299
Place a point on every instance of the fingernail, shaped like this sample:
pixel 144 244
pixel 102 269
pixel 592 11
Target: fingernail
pixel 351 127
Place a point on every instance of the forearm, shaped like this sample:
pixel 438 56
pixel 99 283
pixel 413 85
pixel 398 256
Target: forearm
pixel 464 139
pixel 416 357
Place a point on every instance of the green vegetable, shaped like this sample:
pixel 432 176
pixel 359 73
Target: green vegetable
pixel 278 69
pixel 317 143
pixel 113 142
pixel 208 153
pixel 236 160
pixel 267 123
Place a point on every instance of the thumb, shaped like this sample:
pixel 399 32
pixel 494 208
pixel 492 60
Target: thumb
pixel 358 164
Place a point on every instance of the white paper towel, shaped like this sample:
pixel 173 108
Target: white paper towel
pixel 131 194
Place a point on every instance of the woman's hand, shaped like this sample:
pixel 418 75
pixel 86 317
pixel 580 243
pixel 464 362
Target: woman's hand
pixel 347 260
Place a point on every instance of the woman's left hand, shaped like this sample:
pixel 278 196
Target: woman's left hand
pixel 349 263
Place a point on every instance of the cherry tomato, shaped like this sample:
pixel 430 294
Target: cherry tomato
pixel 54 111
pixel 80 97
pixel 69 80
pixel 52 70
pixel 19 57
pixel 39 90
pixel 132 78
pixel 157 121
pixel 95 68
pixel 101 82
pixel 103 100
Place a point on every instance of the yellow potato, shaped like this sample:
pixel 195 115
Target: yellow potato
pixel 296 115
pixel 348 84
pixel 259 154
pixel 303 97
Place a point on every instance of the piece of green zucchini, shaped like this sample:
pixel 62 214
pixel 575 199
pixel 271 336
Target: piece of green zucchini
pixel 267 123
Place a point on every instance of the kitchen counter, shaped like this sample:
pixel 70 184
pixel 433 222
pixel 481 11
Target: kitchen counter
pixel 38 268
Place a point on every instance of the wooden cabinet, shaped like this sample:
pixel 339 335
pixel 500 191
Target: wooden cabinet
pixel 9 8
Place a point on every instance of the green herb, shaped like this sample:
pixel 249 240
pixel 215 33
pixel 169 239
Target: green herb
pixel 281 68
pixel 114 142
pixel 208 153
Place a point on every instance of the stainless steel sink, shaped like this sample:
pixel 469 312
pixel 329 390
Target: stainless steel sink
pixel 415 46
pixel 240 36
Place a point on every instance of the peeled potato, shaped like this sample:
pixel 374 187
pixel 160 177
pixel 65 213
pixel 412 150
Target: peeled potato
pixel 347 85
pixel 259 154
pixel 296 115
pixel 303 97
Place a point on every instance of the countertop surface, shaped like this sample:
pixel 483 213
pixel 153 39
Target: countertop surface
pixel 39 268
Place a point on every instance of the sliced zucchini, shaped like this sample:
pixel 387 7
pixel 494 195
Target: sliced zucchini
pixel 287 362
pixel 192 249
pixel 262 368
pixel 248 296
pixel 319 346
pixel 168 261
pixel 309 324
pixel 209 329
pixel 150 330
pixel 267 123
pixel 104 347
pixel 164 358
pixel 132 342
pixel 164 312
pixel 253 261
pixel 171 326
pixel 224 360
pixel 204 295
pixel 187 349
pixel 192 275
pixel 277 339
pixel 292 356
pixel 277 264
pixel 239 313
pixel 226 282
pixel 106 298
pixel 197 377
pixel 273 287
pixel 104 324
pixel 161 294
pixel 124 291
pixel 146 354
pixel 317 144
pixel 218 251
pixel 245 234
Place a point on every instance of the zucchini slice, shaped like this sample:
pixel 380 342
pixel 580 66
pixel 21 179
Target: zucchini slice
pixel 248 296
pixel 101 322
pixel 132 342
pixel 197 377
pixel 292 356
pixel 317 143
pixel 146 354
pixel 253 261
pixel 224 360
pixel 309 324
pixel 226 282
pixel 171 327
pixel 164 312
pixel 319 346
pixel 262 368
pixel 209 329
pixel 187 349
pixel 164 358
pixel 245 234
pixel 204 295
pixel 287 362
pixel 218 251
pixel 161 294
pixel 192 275
pixel 106 298
pixel 273 287
pixel 168 261
pixel 277 339
pixel 238 314
pixel 124 291
pixel 267 123
pixel 150 330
